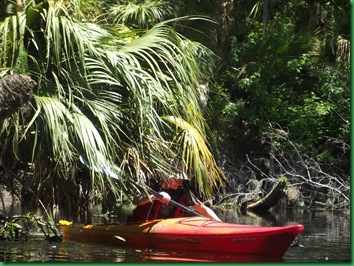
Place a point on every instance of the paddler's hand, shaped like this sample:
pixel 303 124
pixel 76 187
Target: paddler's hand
pixel 165 199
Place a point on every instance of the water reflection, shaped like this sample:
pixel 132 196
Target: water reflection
pixel 42 251
pixel 195 256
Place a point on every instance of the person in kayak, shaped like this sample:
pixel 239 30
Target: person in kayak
pixel 150 207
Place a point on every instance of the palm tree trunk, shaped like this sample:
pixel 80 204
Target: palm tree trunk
pixel 15 91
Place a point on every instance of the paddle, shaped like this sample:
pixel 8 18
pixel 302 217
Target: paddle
pixel 176 204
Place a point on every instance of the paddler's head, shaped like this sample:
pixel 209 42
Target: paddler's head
pixel 175 180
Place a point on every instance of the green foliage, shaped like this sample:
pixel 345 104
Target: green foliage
pixel 24 227
pixel 283 179
pixel 103 90
pixel 140 14
pixel 286 76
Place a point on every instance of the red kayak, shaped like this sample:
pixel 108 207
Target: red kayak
pixel 192 233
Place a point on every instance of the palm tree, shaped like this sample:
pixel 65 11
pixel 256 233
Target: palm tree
pixel 112 107
pixel 15 92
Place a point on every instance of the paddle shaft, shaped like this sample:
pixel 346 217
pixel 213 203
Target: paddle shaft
pixel 176 204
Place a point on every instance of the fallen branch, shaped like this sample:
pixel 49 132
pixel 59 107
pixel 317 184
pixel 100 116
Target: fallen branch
pixel 269 200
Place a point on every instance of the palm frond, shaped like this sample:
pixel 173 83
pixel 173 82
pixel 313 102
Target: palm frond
pixel 144 14
pixel 104 93
pixel 196 155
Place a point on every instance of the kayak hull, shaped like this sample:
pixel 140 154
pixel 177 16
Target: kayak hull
pixel 192 233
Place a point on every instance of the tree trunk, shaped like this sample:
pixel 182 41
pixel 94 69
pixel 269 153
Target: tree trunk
pixel 268 201
pixel 15 91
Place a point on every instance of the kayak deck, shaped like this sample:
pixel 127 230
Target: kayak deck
pixel 192 233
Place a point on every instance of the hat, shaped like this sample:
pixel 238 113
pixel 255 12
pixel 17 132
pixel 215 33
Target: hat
pixel 179 175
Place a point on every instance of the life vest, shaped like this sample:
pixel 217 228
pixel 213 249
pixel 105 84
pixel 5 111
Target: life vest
pixel 151 210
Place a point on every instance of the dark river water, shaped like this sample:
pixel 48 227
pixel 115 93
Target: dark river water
pixel 326 238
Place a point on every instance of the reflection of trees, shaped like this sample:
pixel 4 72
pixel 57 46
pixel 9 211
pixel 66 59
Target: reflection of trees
pixel 333 227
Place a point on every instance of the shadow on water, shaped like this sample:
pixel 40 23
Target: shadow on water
pixel 326 238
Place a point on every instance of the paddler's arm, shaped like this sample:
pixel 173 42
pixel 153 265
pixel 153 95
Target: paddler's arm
pixel 144 198
pixel 205 211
